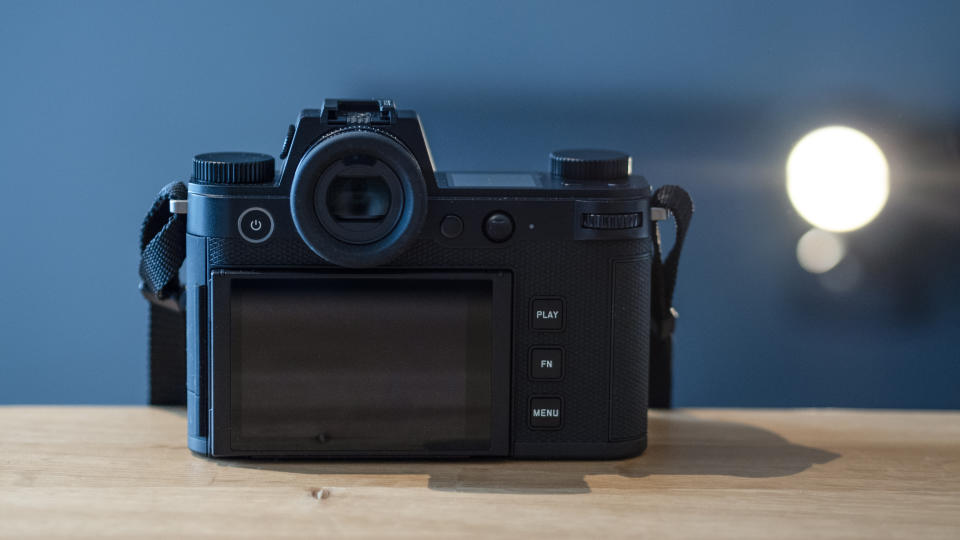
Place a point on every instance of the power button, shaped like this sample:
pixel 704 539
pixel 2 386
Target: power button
pixel 255 225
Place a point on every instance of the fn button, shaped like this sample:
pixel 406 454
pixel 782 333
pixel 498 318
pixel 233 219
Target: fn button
pixel 546 363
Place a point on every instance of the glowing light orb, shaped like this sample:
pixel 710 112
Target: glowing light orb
pixel 819 251
pixel 837 178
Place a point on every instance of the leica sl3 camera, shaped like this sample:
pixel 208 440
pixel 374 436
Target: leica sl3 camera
pixel 350 301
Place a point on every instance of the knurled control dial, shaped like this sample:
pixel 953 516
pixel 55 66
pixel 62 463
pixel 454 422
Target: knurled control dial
pixel 630 220
pixel 598 165
pixel 232 168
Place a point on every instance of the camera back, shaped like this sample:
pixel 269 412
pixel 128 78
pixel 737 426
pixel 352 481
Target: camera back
pixel 350 301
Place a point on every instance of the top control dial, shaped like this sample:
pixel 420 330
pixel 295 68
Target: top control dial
pixel 232 168
pixel 590 164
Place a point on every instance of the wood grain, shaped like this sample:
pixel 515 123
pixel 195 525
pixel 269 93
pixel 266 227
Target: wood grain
pixel 125 472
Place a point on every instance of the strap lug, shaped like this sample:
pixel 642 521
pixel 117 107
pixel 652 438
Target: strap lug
pixel 178 206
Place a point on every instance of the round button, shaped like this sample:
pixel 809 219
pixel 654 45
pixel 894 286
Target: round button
pixel 498 227
pixel 451 226
pixel 255 225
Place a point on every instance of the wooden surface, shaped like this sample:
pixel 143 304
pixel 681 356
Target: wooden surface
pixel 125 472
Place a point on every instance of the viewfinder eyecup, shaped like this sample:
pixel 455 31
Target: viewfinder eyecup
pixel 358 198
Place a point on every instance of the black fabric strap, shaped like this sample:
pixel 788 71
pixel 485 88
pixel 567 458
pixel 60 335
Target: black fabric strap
pixel 163 243
pixel 163 249
pixel 663 281
pixel 163 238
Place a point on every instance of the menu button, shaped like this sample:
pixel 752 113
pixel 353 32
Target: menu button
pixel 546 412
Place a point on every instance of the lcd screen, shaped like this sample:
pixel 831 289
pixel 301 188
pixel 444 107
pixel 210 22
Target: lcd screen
pixel 354 364
pixel 492 180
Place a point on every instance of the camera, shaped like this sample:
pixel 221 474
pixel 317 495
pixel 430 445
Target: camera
pixel 348 300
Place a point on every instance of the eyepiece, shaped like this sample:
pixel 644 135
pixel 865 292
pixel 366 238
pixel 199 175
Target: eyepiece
pixel 358 198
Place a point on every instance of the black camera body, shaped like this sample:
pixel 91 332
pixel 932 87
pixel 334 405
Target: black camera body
pixel 352 302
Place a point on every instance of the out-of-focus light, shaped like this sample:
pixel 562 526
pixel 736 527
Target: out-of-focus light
pixel 837 178
pixel 818 251
pixel 844 278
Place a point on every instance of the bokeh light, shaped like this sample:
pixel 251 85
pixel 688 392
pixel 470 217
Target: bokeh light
pixel 818 251
pixel 837 178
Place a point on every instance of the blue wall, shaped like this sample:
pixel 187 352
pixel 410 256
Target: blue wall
pixel 103 103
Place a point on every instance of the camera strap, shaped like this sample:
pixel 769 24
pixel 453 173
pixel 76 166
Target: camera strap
pixel 163 250
pixel 163 247
pixel 663 281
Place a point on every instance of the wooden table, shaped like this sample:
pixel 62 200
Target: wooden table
pixel 124 471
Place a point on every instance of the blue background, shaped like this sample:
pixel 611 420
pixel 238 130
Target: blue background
pixel 103 103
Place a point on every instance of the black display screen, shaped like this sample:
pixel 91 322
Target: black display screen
pixel 354 364
pixel 492 180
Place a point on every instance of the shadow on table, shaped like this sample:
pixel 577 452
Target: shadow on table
pixel 682 444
